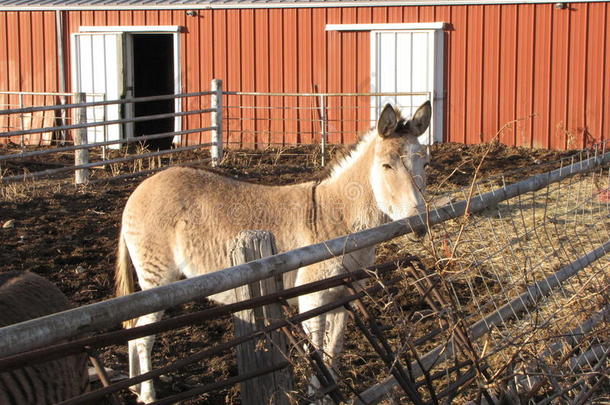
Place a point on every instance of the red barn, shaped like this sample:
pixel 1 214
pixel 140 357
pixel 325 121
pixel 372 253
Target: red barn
pixel 485 63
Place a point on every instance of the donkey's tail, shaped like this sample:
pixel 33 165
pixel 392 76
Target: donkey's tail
pixel 123 277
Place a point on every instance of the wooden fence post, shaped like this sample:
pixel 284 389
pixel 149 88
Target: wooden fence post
pixel 81 156
pixel 216 118
pixel 255 354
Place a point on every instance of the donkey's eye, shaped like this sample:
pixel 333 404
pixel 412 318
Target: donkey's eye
pixel 387 166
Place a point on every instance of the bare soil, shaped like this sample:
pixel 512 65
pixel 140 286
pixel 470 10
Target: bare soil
pixel 69 236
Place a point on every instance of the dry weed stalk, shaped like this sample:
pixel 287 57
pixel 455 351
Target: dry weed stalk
pixel 455 323
pixel 449 262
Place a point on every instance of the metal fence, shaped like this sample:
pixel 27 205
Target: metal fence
pixel 258 120
pixel 518 289
pixel 89 127
pixel 99 132
pixel 507 297
pixel 22 120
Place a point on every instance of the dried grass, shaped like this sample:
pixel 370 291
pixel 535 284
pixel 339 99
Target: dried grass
pixel 486 260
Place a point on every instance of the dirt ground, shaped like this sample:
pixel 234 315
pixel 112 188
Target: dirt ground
pixel 69 236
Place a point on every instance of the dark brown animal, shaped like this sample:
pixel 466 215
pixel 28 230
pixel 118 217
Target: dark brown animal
pixel 25 296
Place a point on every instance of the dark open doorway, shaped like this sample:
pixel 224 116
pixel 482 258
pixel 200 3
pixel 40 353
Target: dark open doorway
pixel 153 75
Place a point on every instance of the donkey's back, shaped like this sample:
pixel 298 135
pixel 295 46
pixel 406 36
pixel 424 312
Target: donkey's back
pixel 25 296
pixel 179 222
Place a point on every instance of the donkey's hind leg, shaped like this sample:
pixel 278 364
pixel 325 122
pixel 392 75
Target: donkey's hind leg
pixel 155 272
pixel 140 361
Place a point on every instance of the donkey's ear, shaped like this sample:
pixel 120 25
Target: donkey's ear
pixel 387 121
pixel 421 119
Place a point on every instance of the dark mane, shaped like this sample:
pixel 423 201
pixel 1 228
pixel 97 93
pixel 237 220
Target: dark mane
pixel 339 155
pixel 403 126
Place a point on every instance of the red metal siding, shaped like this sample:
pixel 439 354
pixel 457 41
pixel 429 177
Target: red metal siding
pixel 594 81
pixel 545 67
pixel 305 77
pixel 262 44
pixel 507 73
pixel 455 77
pixel 26 40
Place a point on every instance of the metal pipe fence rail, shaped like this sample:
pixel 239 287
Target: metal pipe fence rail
pixel 117 337
pixel 210 119
pixel 255 120
pixel 514 280
pixel 288 325
pixel 122 336
pixel 95 133
pixel 30 117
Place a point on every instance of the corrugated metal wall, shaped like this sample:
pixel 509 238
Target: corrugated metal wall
pixel 545 66
pixel 27 41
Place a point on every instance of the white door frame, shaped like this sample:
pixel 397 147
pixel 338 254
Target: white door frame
pixel 437 62
pixel 436 59
pixel 174 30
pixel 115 86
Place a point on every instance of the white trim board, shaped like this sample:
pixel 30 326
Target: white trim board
pixel 434 82
pixel 392 27
pixel 297 4
pixel 131 28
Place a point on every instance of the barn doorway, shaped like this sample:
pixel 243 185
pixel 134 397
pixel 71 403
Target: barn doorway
pixel 114 62
pixel 153 75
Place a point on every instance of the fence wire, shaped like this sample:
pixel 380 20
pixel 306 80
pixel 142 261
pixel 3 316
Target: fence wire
pixel 506 302
pixel 534 250
pixel 95 130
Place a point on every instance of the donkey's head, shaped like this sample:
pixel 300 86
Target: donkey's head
pixel 398 176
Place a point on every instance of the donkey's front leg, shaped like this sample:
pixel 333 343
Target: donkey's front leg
pixel 325 331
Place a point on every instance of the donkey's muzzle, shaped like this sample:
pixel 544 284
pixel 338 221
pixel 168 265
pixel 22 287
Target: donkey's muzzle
pixel 418 223
pixel 419 232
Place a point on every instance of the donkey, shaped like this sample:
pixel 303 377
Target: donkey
pixel 179 222
pixel 24 296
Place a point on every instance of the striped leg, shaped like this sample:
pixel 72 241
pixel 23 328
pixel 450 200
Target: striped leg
pixel 153 270
pixel 325 332
pixel 140 361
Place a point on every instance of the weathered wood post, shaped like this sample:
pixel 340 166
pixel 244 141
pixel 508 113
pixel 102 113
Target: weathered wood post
pixel 81 156
pixel 255 354
pixel 216 118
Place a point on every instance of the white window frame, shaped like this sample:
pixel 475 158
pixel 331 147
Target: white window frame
pixel 173 30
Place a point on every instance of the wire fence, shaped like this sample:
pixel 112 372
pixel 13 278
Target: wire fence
pixel 258 120
pixel 507 297
pixel 109 133
pixel 97 131
pixel 519 290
